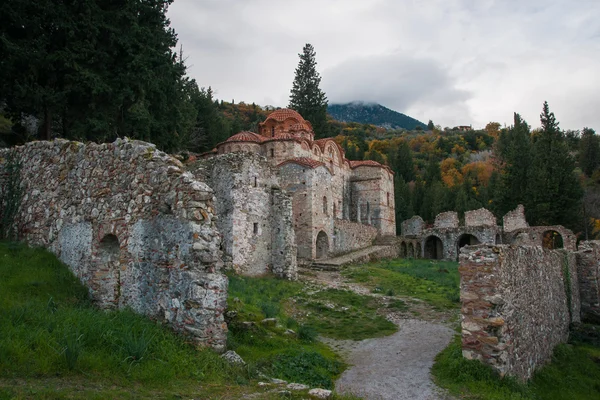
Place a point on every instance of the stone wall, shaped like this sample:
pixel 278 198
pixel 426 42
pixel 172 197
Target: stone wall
pixel 413 227
pixel 588 269
pixel 514 220
pixel 480 217
pixel 447 219
pixel 350 236
pixel 252 211
pixel 517 304
pixel 133 226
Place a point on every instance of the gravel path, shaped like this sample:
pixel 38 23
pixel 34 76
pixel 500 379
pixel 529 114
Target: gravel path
pixel 395 367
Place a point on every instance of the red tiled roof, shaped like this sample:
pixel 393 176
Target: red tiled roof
pixel 245 136
pixel 304 161
pixel 368 163
pixel 285 113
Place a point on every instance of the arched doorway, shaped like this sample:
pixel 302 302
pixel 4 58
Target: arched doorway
pixel 322 245
pixel 109 263
pixel 418 251
pixel 403 250
pixel 411 250
pixel 466 240
pixel 434 248
pixel 552 240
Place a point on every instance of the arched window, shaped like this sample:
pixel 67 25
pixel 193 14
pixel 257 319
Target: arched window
pixel 324 204
pixel 272 153
pixel 272 131
pixel 388 199
pixel 334 209
pixel 255 181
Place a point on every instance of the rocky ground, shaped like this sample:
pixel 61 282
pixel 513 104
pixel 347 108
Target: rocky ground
pixel 397 366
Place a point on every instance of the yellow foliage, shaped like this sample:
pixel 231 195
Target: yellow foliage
pixel 595 226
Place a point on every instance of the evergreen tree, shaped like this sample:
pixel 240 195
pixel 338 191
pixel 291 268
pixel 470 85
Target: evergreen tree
pixel 514 151
pixel 554 193
pixel 404 165
pixel 403 207
pixel 430 125
pixel 306 97
pixel 589 151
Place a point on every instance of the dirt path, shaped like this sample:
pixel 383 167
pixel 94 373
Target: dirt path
pixel 395 367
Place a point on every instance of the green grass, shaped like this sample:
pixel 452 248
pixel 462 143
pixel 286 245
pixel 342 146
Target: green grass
pixel 573 374
pixel 54 344
pixel 436 282
pixel 341 314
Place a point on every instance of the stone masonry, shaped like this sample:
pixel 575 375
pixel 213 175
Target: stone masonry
pixel 517 304
pixel 588 269
pixel 133 226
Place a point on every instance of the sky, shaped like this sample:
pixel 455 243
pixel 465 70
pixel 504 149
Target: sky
pixel 456 62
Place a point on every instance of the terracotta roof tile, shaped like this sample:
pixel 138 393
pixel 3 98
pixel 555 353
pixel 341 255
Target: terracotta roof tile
pixel 368 163
pixel 245 136
pixel 285 113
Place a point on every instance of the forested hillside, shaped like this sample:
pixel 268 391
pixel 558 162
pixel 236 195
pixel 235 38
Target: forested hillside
pixel 373 114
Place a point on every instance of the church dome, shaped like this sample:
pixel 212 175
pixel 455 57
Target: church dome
pixel 245 136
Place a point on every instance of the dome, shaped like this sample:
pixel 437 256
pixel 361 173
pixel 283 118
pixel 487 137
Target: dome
pixel 245 136
pixel 285 113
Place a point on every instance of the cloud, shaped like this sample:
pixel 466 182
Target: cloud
pixel 457 62
pixel 399 82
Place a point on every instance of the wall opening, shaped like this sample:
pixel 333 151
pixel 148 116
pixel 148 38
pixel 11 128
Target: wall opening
pixel 388 199
pixel 322 245
pixel 109 252
pixel 434 248
pixel 498 239
pixel 272 153
pixel 255 229
pixel 334 210
pixel 325 205
pixel 403 250
pixel 368 213
pixel 411 250
pixel 418 251
pixel 255 181
pixel 552 240
pixel 466 240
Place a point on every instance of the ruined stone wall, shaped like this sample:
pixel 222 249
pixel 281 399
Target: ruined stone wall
pixel 517 304
pixel 132 225
pixel 480 217
pixel 371 189
pixel 350 236
pixel 245 185
pixel 514 220
pixel 588 269
pixel 413 227
pixel 447 219
pixel 320 185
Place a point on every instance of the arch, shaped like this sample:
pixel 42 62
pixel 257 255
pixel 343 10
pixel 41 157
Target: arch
pixel 498 239
pixel 109 254
pixel 418 250
pixel 403 250
pixel 466 239
pixel 551 240
pixel 411 250
pixel 322 245
pixel 246 148
pixel 316 151
pixel 433 248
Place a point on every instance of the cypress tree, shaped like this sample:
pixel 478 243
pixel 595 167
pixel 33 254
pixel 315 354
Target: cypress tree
pixel 306 97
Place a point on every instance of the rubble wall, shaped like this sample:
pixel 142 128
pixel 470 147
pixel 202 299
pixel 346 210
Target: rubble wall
pixel 588 269
pixel 517 304
pixel 132 225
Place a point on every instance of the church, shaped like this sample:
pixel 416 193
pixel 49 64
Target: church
pixel 281 191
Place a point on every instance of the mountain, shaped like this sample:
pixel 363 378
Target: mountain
pixel 372 113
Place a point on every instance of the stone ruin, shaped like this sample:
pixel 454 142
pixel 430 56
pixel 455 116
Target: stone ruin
pixel 521 286
pixel 136 228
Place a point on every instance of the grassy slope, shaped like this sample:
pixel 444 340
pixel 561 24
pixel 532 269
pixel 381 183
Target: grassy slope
pixel 436 282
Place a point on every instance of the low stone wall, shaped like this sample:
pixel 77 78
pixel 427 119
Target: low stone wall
pixel 133 226
pixel 350 236
pixel 517 304
pixel 588 269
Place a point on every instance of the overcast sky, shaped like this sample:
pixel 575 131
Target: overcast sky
pixel 457 62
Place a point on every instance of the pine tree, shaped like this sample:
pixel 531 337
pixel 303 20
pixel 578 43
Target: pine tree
pixel 404 165
pixel 553 191
pixel 306 97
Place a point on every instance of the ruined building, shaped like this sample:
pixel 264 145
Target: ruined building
pixel 281 193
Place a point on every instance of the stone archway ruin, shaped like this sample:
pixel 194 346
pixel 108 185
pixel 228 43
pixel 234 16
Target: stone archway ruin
pixel 322 245
pixel 411 251
pixel 434 248
pixel 552 240
pixel 466 239
pixel 403 250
